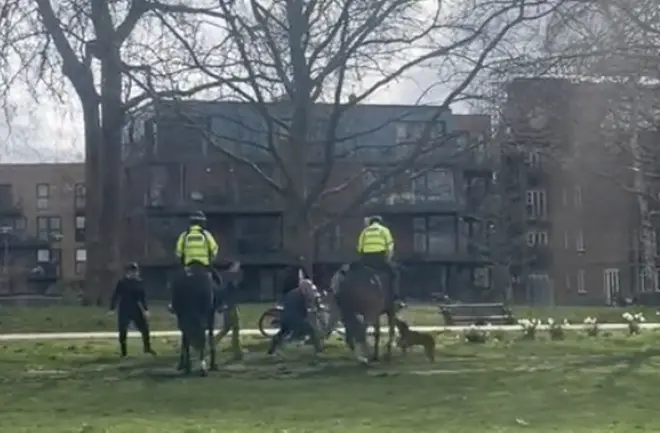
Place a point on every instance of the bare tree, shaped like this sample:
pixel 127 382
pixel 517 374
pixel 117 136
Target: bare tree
pixel 341 54
pixel 91 47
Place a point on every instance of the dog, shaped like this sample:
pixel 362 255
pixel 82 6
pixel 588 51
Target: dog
pixel 409 338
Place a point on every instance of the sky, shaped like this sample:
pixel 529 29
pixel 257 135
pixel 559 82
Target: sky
pixel 52 131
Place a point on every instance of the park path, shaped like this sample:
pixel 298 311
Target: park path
pixel 255 332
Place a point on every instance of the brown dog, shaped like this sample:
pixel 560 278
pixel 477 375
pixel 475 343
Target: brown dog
pixel 409 338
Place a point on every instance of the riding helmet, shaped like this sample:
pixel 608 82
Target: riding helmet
pixel 375 219
pixel 198 216
pixel 132 267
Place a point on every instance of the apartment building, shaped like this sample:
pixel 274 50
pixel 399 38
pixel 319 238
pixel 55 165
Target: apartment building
pixel 566 188
pixel 42 224
pixel 171 167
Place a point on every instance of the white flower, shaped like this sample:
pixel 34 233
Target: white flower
pixel 627 317
pixel 489 325
pixel 551 321
pixel 566 322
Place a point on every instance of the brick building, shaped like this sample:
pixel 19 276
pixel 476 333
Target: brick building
pixel 42 225
pixel 170 168
pixel 566 184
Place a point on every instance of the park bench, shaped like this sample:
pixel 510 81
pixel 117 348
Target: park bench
pixel 477 314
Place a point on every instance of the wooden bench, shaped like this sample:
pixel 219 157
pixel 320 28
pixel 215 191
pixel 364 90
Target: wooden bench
pixel 477 314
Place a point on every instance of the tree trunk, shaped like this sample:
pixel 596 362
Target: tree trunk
pixel 111 125
pixel 93 245
pixel 649 275
pixel 299 238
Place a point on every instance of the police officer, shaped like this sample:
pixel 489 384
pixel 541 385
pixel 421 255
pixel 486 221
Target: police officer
pixel 197 245
pixel 131 303
pixel 376 248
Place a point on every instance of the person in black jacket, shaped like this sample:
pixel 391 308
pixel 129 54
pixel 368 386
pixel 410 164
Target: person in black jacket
pixel 292 277
pixel 130 301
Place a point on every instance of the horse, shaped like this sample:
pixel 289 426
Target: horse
pixel 359 291
pixel 193 302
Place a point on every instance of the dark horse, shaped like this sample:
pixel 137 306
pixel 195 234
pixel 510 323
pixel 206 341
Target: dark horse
pixel 359 291
pixel 194 306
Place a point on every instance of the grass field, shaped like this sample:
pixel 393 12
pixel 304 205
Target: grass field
pixel 76 318
pixel 582 384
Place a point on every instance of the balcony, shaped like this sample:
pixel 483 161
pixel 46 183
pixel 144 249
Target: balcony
pixel 412 203
pixel 214 203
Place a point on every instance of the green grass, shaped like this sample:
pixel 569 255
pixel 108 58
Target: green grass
pixel 605 384
pixel 77 318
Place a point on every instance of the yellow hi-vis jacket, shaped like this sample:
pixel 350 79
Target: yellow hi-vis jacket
pixel 196 245
pixel 375 238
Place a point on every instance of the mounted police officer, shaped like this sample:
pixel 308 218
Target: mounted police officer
pixel 376 249
pixel 196 246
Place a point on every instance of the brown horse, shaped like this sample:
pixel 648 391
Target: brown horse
pixel 359 291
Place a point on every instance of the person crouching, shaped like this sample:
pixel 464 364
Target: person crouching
pixel 295 317
pixel 130 301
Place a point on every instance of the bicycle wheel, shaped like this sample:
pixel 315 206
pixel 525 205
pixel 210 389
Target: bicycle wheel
pixel 269 322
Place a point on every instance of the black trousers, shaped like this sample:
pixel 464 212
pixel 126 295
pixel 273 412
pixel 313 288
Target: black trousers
pixel 125 318
pixel 381 263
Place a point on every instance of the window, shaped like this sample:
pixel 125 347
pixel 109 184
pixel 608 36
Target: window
pixel 6 195
pixel 80 196
pixel 577 197
pixel 435 185
pixel 259 234
pixel 80 228
pixel 49 228
pixel 648 284
pixel 612 283
pixel 81 260
pixel 330 240
pixel 537 237
pixel 579 242
pixel 43 196
pixel 434 235
pixel 581 287
pixel 533 158
pixel 567 241
pixel 43 256
pixel 537 205
pixel 409 132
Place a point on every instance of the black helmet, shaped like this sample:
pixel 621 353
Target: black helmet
pixel 132 267
pixel 197 217
pixel 375 219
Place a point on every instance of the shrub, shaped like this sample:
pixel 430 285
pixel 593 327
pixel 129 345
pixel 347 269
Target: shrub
pixel 556 329
pixel 529 328
pixel 634 321
pixel 591 326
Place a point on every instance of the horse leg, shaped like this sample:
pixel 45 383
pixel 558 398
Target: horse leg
pixel 376 354
pixel 203 365
pixel 390 334
pixel 357 334
pixel 185 354
pixel 210 331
